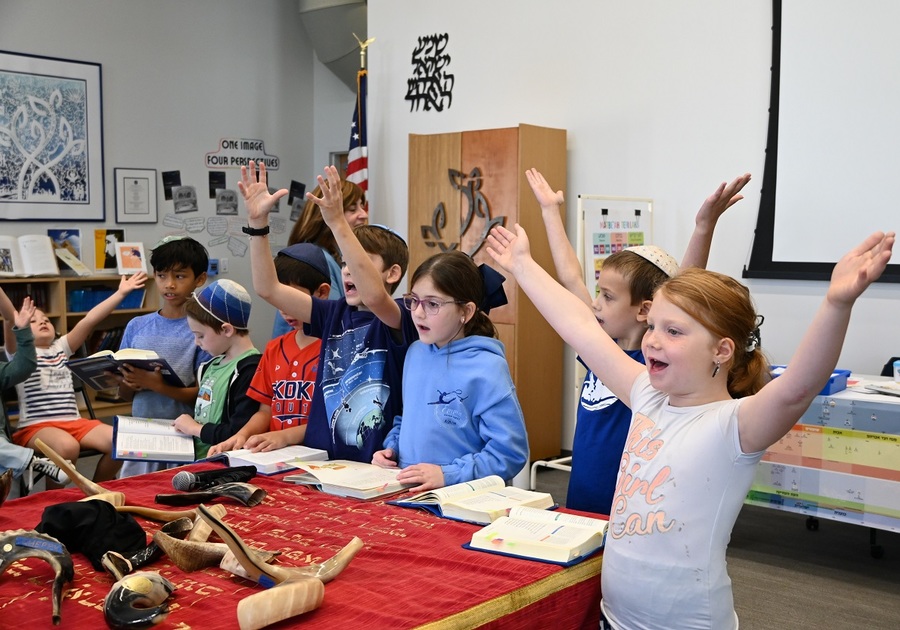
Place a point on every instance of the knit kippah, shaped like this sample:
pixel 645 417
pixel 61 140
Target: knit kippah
pixel 657 256
pixel 227 301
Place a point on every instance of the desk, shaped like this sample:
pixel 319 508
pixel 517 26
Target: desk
pixel 840 461
pixel 412 572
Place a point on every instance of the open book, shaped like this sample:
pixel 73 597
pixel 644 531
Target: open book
pixel 27 255
pixel 480 501
pixel 150 439
pixel 554 537
pixel 272 462
pixel 92 369
pixel 346 478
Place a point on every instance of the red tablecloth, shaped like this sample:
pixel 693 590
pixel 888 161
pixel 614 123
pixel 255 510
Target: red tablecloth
pixel 412 571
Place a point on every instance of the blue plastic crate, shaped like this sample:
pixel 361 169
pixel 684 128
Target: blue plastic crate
pixel 835 384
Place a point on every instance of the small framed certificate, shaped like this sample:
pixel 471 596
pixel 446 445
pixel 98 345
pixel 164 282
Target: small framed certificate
pixel 136 195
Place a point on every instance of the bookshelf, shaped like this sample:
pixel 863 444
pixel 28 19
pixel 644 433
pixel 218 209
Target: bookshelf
pixel 66 300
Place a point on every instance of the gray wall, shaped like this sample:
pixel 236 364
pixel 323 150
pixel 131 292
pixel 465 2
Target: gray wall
pixel 177 77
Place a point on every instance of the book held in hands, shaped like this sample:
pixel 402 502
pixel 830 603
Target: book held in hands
pixel 272 462
pixel 150 439
pixel 98 370
pixel 345 478
pixel 555 537
pixel 479 501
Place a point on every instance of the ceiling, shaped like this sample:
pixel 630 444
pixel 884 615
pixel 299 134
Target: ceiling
pixel 330 26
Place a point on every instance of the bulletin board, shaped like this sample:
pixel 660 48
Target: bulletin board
pixel 607 225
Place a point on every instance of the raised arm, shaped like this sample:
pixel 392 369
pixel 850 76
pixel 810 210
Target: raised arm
pixel 367 278
pixel 259 202
pixel 85 327
pixel 767 416
pixel 24 362
pixel 565 259
pixel 570 317
pixel 8 312
pixel 725 196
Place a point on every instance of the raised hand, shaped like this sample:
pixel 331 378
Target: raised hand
pixel 24 314
pixel 255 190
pixel 542 190
pixel 725 196
pixel 127 284
pixel 331 203
pixel 507 249
pixel 859 268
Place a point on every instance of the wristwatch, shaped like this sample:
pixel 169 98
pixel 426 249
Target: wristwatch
pixel 255 231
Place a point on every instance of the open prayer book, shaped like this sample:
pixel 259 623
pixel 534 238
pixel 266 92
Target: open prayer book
pixel 479 501
pixel 97 370
pixel 150 439
pixel 272 462
pixel 554 537
pixel 346 478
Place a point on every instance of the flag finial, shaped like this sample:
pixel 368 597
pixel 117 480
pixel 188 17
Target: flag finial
pixel 362 50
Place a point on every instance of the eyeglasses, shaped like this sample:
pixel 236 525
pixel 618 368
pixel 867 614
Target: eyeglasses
pixel 431 305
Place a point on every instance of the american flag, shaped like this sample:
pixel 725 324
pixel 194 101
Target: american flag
pixel 358 157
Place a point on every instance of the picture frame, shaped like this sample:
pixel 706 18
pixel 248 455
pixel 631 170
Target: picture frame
pixel 51 141
pixel 130 258
pixel 136 200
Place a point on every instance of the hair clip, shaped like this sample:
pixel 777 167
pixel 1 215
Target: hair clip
pixel 494 295
pixel 755 340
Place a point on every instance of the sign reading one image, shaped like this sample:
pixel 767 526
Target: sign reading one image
pixel 237 152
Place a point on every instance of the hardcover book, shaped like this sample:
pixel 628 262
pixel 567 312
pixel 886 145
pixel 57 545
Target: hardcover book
pixel 99 369
pixel 150 439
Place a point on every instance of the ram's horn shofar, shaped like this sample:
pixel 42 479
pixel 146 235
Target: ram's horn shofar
pixel 21 543
pixel 87 486
pixel 245 493
pixel 286 600
pixel 137 601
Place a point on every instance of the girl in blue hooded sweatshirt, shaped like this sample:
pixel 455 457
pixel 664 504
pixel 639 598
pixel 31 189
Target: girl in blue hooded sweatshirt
pixel 462 420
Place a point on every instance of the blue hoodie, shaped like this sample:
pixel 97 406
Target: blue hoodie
pixel 462 411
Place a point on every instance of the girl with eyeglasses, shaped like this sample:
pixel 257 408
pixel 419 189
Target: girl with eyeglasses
pixel 461 417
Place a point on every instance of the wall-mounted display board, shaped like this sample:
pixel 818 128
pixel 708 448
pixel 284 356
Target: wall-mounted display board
pixel 608 225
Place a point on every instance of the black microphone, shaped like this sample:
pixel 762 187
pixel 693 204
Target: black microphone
pixel 190 482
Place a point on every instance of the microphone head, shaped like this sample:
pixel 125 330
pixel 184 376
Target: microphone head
pixel 185 481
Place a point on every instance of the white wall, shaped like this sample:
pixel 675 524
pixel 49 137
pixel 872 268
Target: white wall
pixel 660 99
pixel 177 77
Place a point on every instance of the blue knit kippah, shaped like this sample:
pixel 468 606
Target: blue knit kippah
pixel 227 301
pixel 309 254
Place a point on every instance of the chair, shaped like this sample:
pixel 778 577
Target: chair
pixel 10 394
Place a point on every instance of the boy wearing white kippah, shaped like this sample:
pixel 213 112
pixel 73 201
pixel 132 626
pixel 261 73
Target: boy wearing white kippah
pixel 219 316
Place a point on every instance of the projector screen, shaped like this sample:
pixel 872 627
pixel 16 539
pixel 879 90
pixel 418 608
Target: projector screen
pixel 834 136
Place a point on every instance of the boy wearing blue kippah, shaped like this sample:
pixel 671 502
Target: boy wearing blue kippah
pixel 286 377
pixel 218 317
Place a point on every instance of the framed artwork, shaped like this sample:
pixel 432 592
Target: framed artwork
pixel 130 258
pixel 136 195
pixel 51 139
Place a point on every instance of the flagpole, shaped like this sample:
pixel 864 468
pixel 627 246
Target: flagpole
pixel 362 50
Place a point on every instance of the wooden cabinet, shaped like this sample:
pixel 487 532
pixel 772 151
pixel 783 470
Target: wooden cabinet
pixel 66 300
pixel 459 185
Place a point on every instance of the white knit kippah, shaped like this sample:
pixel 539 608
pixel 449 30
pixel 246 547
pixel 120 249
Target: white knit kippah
pixel 657 256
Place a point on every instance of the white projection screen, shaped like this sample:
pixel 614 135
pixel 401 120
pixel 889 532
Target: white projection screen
pixel 833 150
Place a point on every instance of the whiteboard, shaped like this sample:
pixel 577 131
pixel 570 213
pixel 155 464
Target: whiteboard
pixel 607 225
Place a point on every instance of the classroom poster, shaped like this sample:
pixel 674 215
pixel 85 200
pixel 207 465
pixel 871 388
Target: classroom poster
pixel 105 248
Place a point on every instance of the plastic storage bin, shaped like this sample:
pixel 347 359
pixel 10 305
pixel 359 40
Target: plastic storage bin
pixel 835 384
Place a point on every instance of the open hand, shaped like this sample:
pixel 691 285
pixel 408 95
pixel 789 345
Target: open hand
pixel 255 190
pixel 859 268
pixel 508 249
pixel 331 203
pixel 127 284
pixel 725 196
pixel 542 190
pixel 270 441
pixel 24 314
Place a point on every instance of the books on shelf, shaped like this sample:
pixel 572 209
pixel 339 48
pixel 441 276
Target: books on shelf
pixel 27 255
pixel 150 439
pixel 542 535
pixel 480 501
pixel 272 462
pixel 92 370
pixel 346 478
